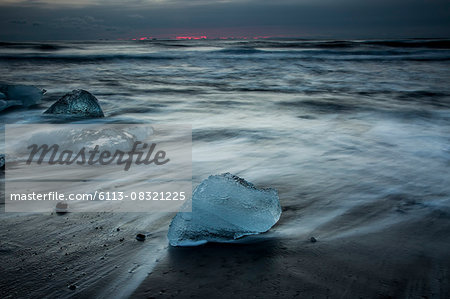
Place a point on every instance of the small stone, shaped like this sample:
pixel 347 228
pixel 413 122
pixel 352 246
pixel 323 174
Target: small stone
pixel 313 240
pixel 62 207
pixel 140 237
pixel 72 287
pixel 118 229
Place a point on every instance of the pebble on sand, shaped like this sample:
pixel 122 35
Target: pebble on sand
pixel 72 287
pixel 140 237
pixel 62 207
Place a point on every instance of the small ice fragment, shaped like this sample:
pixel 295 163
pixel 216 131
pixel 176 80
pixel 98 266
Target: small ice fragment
pixel 2 161
pixel 224 208
pixel 3 104
pixel 19 95
pixel 28 95
pixel 79 103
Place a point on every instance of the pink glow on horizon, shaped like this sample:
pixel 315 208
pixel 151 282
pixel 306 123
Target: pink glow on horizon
pixel 201 37
pixel 192 37
pixel 246 37
pixel 261 37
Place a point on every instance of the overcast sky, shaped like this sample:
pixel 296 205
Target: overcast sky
pixel 113 19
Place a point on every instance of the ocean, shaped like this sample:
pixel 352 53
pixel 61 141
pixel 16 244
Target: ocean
pixel 336 120
pixel 338 127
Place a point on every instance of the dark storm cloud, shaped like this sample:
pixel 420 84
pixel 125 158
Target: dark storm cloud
pixel 321 18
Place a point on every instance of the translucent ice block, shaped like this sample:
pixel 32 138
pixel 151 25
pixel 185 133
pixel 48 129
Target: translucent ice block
pixel 224 208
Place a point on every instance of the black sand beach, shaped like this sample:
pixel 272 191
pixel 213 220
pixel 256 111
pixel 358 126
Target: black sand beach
pixel 407 260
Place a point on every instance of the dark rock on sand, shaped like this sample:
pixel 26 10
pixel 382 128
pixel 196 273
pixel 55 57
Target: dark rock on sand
pixel 140 237
pixel 78 103
pixel 62 207
pixel 19 95
pixel 72 287
pixel 2 161
pixel 313 240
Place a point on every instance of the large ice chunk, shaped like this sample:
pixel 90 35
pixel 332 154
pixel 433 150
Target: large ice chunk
pixel 78 103
pixel 224 208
